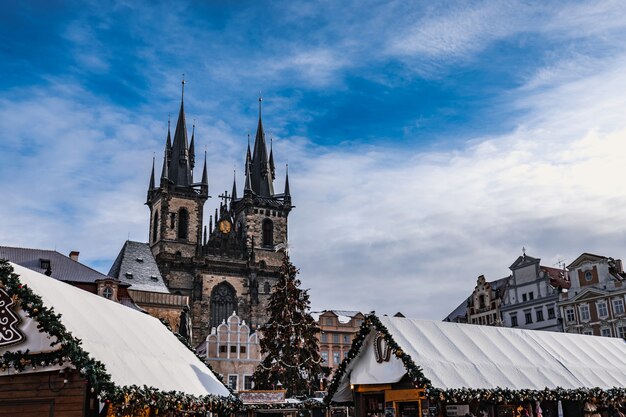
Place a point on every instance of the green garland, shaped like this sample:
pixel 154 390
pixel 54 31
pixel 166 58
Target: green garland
pixel 371 321
pixel 465 395
pixel 127 398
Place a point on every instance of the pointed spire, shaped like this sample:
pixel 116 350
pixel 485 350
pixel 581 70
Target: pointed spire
pixel 205 178
pixel 192 152
pixel 216 216
pixel 180 167
pixel 248 186
pixel 205 235
pixel 151 185
pixel 261 180
pixel 287 193
pixel 164 171
pixel 234 193
pixel 211 223
pixel 272 168
pixel 168 141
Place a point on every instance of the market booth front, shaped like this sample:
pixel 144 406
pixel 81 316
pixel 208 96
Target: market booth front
pixel 66 352
pixel 401 367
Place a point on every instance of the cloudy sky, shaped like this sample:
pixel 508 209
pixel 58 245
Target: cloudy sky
pixel 427 142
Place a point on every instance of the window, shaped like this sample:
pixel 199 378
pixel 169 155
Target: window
pixel 551 313
pixel 345 354
pixel 233 349
pixel 155 226
pixel 584 312
pixel 346 338
pixel 603 311
pixel 172 220
pixel 569 315
pixel 183 223
pixel 618 306
pixel 324 337
pixel 107 293
pixel 223 303
pixel 44 263
pixel 606 332
pixel 266 287
pixel 588 332
pixel 531 295
pixel 588 276
pixel 329 321
pixel 529 317
pixel 242 349
pixel 222 349
pixel 524 297
pixel 336 358
pixel 232 382
pixel 621 332
pixel 481 301
pixel 268 232
pixel 513 320
pixel 539 314
pixel 335 338
pixel 324 357
pixel 247 382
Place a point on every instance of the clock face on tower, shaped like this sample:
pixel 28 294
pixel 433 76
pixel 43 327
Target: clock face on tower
pixel 224 226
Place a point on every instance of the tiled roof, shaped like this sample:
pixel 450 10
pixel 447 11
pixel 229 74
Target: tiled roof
pixel 135 265
pixel 63 268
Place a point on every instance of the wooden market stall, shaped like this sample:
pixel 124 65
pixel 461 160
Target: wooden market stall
pixel 66 352
pixel 401 367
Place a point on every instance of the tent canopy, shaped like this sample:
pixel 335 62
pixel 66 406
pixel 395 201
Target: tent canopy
pixel 135 348
pixel 455 356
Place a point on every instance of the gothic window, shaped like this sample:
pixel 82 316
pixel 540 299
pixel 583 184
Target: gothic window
pixel 239 231
pixel 268 232
pixel 183 223
pixel 155 226
pixel 223 303
pixel 266 288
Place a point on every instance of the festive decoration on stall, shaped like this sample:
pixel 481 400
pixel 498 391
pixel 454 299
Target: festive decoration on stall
pixel 124 400
pixel 9 333
pixel 289 339
pixel 464 395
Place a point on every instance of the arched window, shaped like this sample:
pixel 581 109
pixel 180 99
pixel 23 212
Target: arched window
pixel 183 223
pixel 155 226
pixel 266 287
pixel 481 301
pixel 239 231
pixel 268 232
pixel 223 303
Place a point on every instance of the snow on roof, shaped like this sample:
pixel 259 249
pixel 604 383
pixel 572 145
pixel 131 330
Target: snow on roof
pixel 455 355
pixel 136 349
pixel 343 316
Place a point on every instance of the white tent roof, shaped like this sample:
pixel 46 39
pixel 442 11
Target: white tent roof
pixel 136 349
pixel 454 355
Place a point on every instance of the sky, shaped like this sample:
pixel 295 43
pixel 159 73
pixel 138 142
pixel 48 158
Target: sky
pixel 427 142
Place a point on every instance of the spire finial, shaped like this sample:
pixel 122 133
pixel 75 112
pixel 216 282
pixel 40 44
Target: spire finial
pixel 182 96
pixel 169 121
pixel 260 104
pixel 523 251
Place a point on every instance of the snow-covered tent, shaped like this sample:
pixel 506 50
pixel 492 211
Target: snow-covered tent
pixel 124 356
pixel 461 362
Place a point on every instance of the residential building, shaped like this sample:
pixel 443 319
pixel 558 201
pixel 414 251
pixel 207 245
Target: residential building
pixel 595 303
pixel 530 301
pixel 136 267
pixel 234 352
pixel 68 269
pixel 337 329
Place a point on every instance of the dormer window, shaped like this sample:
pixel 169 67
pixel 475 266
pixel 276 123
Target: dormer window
pixel 588 276
pixel 107 293
pixel 129 275
pixel 154 278
pixel 44 263
pixel 140 260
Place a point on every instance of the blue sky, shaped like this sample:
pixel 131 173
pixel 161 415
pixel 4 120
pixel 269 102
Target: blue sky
pixel 427 142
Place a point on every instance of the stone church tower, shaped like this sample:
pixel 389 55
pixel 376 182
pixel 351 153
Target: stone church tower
pixel 232 265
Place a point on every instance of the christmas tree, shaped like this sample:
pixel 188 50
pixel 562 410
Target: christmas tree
pixel 289 339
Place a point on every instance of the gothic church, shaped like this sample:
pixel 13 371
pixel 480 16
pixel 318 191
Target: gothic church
pixel 233 264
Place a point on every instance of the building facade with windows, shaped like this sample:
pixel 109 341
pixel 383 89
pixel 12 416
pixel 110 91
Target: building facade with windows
pixel 530 301
pixel 234 352
pixel 337 329
pixel 596 301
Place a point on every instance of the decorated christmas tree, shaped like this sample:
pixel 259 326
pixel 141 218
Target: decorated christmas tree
pixel 289 339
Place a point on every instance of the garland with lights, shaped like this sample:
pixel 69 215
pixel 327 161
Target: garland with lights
pixel 615 395
pixel 127 399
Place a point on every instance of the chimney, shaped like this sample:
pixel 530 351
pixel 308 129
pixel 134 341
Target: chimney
pixel 618 266
pixel 74 255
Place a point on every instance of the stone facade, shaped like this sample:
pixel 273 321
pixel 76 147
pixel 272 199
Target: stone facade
pixel 233 264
